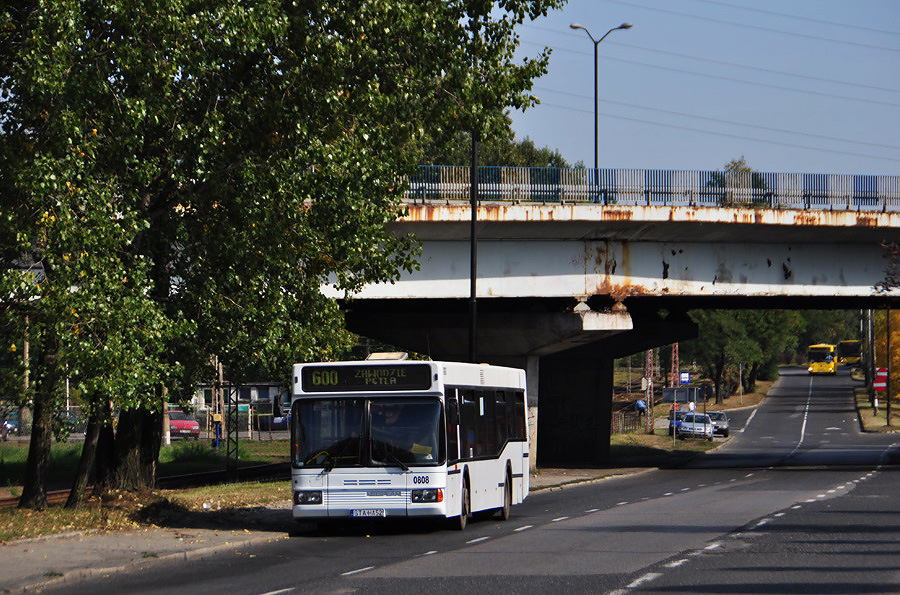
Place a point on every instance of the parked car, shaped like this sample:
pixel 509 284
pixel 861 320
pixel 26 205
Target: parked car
pixel 267 422
pixel 720 422
pixel 697 425
pixel 182 425
pixel 675 419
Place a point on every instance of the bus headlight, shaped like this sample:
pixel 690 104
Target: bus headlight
pixel 308 497
pixel 430 495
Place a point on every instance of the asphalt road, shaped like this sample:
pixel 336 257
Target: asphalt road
pixel 797 501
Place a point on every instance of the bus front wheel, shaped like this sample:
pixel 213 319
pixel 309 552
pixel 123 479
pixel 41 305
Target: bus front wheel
pixel 459 523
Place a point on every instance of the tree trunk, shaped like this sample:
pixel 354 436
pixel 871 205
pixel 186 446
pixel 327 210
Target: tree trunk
pixel 34 485
pixel 137 444
pixel 103 464
pixel 86 462
pixel 126 474
pixel 151 440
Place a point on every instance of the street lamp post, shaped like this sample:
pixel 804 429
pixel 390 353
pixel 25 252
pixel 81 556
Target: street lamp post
pixel 596 43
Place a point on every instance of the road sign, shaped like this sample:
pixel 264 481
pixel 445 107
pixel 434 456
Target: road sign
pixel 880 382
pixel 685 378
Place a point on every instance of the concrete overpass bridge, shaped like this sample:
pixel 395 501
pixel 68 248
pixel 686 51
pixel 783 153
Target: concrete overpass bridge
pixel 591 266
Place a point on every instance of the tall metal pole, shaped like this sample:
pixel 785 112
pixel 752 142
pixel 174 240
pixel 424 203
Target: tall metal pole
pixel 889 366
pixel 596 89
pixel 473 253
pixel 596 122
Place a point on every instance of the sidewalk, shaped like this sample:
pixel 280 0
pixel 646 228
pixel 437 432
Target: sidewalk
pixel 30 564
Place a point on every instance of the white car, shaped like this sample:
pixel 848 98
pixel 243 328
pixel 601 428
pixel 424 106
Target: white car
pixel 696 424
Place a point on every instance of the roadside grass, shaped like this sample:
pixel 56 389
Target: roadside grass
pixel 873 420
pixel 177 459
pixel 25 524
pixel 120 510
pixel 639 449
pixel 229 496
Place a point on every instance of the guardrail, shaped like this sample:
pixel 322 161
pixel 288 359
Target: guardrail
pixel 450 184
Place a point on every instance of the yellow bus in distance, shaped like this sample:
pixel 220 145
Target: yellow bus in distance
pixel 821 359
pixel 848 352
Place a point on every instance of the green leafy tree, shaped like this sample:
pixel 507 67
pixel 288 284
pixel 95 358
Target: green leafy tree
pixel 737 176
pixel 722 342
pixel 499 150
pixel 179 179
pixel 774 332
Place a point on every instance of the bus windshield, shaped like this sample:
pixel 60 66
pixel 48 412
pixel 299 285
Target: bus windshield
pixel 819 355
pixel 334 432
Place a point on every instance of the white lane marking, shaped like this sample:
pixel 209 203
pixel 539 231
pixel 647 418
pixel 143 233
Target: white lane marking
pixel 592 510
pixel 749 475
pixel 685 489
pixel 795 507
pixel 429 553
pixel 713 546
pixel 279 591
pixel 477 539
pixel 644 579
pixel 747 423
pixel 779 514
pixel 677 563
pixel 621 503
pixel 761 523
pixel 668 493
pixel 557 519
pixel 358 571
pixel 805 418
pixel 523 528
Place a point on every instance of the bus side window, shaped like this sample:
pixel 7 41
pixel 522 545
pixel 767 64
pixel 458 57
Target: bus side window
pixel 501 415
pixel 467 420
pixel 518 431
pixel 452 414
pixel 487 445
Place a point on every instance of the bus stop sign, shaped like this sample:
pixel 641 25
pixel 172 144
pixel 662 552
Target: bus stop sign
pixel 880 383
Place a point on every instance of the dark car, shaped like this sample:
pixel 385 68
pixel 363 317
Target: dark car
pixel 182 425
pixel 720 422
pixel 268 422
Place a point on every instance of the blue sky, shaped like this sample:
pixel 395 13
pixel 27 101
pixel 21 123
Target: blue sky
pixel 792 85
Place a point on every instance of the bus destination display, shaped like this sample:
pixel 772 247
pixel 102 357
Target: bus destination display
pixel 366 378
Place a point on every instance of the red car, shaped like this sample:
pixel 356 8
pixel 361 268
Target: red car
pixel 182 425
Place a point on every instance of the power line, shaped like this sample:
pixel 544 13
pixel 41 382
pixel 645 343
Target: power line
pixel 719 62
pixel 756 27
pixel 722 121
pixel 760 69
pixel 725 134
pixel 734 80
pixel 799 18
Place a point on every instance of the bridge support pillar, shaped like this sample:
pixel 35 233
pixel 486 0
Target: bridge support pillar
pixel 575 409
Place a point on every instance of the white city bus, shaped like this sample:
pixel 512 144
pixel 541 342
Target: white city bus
pixel 407 439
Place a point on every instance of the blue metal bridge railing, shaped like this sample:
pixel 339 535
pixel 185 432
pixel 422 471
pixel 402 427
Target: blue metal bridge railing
pixel 654 187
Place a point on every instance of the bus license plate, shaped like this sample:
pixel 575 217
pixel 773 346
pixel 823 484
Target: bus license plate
pixel 368 512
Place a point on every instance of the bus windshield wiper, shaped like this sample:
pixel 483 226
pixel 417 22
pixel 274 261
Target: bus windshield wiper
pixel 395 460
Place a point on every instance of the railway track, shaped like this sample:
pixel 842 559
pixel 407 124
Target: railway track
pixel 250 473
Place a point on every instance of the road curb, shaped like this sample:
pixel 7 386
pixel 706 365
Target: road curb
pixel 185 555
